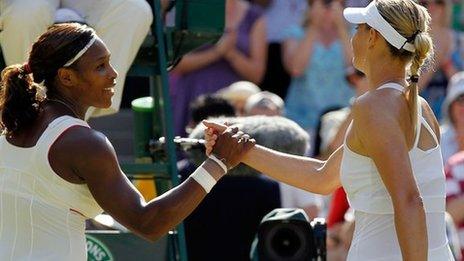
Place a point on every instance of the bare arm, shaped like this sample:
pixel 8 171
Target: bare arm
pixel 296 54
pixel 306 173
pixel 251 68
pixel 196 60
pixel 381 136
pixel 455 207
pixel 321 177
pixel 97 165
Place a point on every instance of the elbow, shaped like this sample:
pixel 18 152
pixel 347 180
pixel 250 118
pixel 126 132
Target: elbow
pixel 257 76
pixel 150 232
pixel 409 201
pixel 296 71
pixel 151 226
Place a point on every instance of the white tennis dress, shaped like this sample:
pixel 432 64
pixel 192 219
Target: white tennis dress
pixel 42 216
pixel 375 236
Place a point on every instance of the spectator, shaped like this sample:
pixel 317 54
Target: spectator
pixel 122 24
pixel 334 124
pixel 280 16
pixel 239 55
pixel 264 103
pixel 206 106
pixel 434 81
pixel 452 131
pixel 237 94
pixel 316 55
pixel 454 170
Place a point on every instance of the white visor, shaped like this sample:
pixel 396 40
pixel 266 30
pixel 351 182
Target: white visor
pixel 371 16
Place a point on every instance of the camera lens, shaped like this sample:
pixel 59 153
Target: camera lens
pixel 286 242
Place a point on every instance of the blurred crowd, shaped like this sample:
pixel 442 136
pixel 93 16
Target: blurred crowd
pixel 282 71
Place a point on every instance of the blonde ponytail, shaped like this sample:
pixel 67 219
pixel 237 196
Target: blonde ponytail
pixel 413 22
pixel 423 45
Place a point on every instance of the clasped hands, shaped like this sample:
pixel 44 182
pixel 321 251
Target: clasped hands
pixel 228 144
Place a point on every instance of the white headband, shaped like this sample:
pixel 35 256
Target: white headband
pixel 81 52
pixel 371 16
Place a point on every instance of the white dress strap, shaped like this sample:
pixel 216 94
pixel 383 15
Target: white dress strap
pixel 392 85
pixel 51 134
pixel 419 122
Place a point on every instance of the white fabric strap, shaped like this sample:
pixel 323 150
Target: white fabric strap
pixel 203 178
pixel 81 52
pixel 219 162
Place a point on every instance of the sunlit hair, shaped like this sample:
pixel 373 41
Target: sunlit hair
pixel 409 19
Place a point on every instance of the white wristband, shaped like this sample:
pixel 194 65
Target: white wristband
pixel 203 178
pixel 219 162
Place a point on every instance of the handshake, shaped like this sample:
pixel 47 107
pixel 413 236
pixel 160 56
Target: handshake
pixel 229 144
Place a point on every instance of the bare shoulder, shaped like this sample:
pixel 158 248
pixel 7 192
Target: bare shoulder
pixel 82 148
pixel 378 124
pixel 377 105
pixel 377 114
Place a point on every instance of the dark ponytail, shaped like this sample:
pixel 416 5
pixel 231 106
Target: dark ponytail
pixel 19 99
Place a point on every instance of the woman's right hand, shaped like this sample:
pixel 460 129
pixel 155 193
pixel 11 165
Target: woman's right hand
pixel 227 143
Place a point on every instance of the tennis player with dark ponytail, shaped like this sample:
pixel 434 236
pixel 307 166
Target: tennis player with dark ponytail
pixel 55 171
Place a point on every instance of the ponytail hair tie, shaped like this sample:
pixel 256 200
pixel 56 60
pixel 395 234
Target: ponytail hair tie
pixel 413 36
pixel 26 68
pixel 414 78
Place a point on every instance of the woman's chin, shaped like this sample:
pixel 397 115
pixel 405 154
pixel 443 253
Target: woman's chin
pixel 103 105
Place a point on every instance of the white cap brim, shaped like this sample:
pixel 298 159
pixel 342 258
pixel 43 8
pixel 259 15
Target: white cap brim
pixel 355 15
pixel 371 16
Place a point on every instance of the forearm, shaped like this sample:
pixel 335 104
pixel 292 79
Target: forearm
pixel 197 60
pixel 166 211
pixel 301 172
pixel 298 58
pixel 455 208
pixel 345 40
pixel 411 230
pixel 248 68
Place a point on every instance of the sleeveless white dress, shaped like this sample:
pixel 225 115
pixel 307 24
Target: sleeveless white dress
pixel 375 236
pixel 42 216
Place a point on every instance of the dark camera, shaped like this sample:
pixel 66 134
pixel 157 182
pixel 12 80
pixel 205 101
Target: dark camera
pixel 286 236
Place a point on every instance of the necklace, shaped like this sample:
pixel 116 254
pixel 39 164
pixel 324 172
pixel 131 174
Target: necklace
pixel 67 106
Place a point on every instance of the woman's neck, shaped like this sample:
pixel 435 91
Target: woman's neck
pixel 70 104
pixel 384 71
